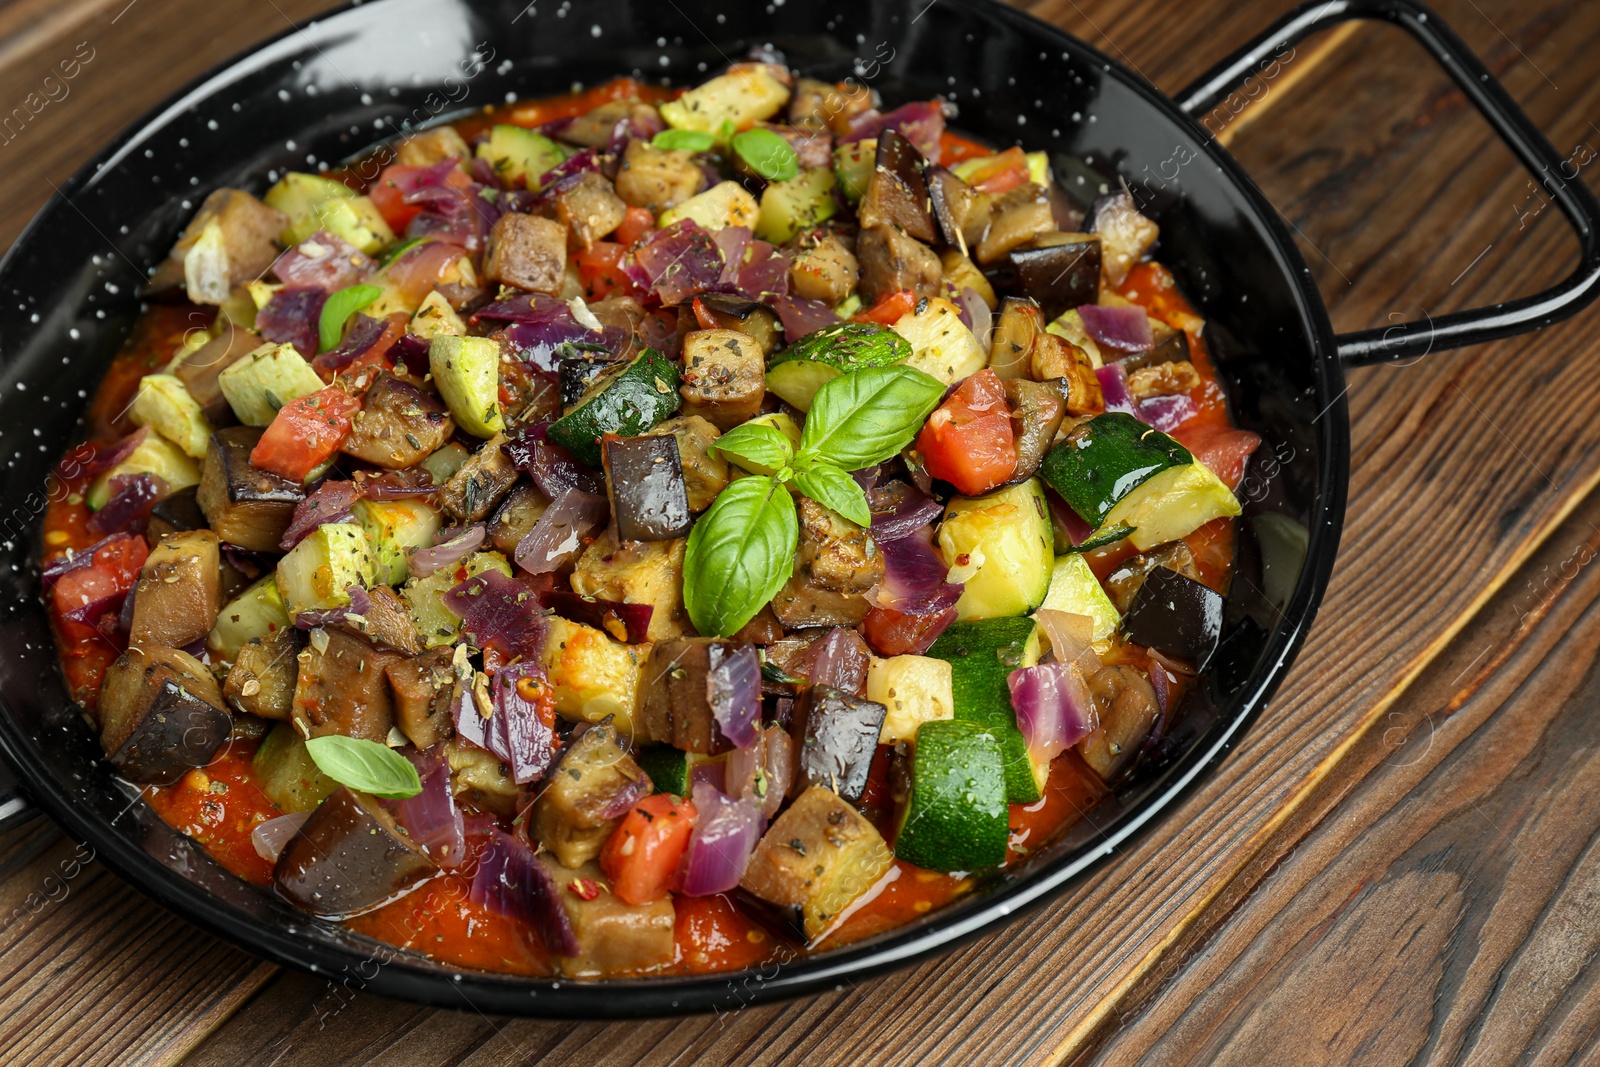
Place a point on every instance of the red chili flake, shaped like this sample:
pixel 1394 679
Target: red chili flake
pixel 585 888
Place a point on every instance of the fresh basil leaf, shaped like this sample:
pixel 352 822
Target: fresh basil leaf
pixel 339 307
pixel 739 555
pixel 768 154
pixel 365 766
pixel 756 443
pixel 683 140
pixel 834 490
pixel 866 416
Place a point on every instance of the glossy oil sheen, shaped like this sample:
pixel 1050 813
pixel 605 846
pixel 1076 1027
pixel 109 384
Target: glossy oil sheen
pixel 67 298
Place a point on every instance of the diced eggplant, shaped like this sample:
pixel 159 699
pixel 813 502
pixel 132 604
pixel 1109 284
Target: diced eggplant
pixel 265 671
pixel 161 714
pixel 231 240
pixel 835 737
pixel 762 629
pixel 198 370
pixel 527 251
pixel 1059 271
pixel 1037 410
pixel 174 514
pixel 657 179
pixel 423 687
pixel 1015 331
pixel 587 795
pixel 1169 345
pixel 636 572
pixel 387 622
pixel 398 425
pixel 516 517
pixel 962 211
pixel 816 858
pixel 836 564
pixel 427 147
pixel 1125 234
pixel 897 194
pixel 724 377
pixel 705 472
pixel 1056 359
pixel 176 598
pixel 576 373
pixel 1175 615
pixel 1129 575
pixel 245 505
pixel 614 938
pixel 480 484
pixel 828 271
pixel 756 320
pixel 892 261
pixel 481 777
pixel 594 129
pixel 1163 379
pixel 644 480
pixel 1017 217
pixel 342 689
pixel 350 856
pixel 589 210
pixel 1126 704
pixel 675 707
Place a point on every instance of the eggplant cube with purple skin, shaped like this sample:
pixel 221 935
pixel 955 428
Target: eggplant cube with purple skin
pixel 587 795
pixel 685 680
pixel 835 737
pixel 245 505
pixel 1176 616
pixel 161 714
pixel 1060 271
pixel 348 857
pixel 644 479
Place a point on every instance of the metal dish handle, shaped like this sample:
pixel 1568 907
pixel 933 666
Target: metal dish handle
pixel 1527 143
pixel 15 807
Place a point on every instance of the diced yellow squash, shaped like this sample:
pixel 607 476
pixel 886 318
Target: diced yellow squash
pixel 593 676
pixel 319 571
pixel 163 404
pixel 437 624
pixel 740 98
pixel 265 380
pixel 915 689
pixel 941 344
pixel 728 204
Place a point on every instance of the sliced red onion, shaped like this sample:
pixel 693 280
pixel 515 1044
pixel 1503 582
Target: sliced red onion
pixel 839 660
pixel 360 604
pixel 90 459
pixel 981 319
pixel 1071 638
pixel 921 123
pixel 914 580
pixel 410 354
pixel 680 261
pixel 325 260
pixel 568 172
pixel 801 316
pixel 329 502
pixel 1054 707
pixel 1114 384
pixel 765 274
pixel 553 469
pixel 623 621
pixel 713 772
pixel 1162 683
pixel 725 833
pixel 734 243
pixel 426 561
pixel 78 560
pixel 1166 413
pixel 270 837
pixel 536 309
pixel 363 335
pixel 91 613
pixel 559 535
pixel 762 772
pixel 523 732
pixel 457 216
pixel 733 690
pixel 433 820
pixel 911 512
pixel 1125 330
pixel 128 510
pixel 512 882
pixel 291 317
pixel 500 613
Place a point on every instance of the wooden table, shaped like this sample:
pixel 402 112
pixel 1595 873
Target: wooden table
pixel 1400 863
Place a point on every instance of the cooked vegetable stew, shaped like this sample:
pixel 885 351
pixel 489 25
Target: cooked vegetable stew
pixel 647 532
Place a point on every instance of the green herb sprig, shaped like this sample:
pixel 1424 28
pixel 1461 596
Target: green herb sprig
pixel 741 552
pixel 338 308
pixel 365 766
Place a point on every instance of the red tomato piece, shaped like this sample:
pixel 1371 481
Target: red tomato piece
pixel 600 271
pixel 968 440
pixel 635 224
pixel 703 317
pixel 305 433
pixel 111 572
pixel 643 854
pixel 890 310
pixel 388 193
pixel 1008 171
pixel 714 935
pixel 1222 448
pixel 891 632
pixel 953 148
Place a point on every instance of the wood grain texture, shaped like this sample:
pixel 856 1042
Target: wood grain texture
pixel 1327 892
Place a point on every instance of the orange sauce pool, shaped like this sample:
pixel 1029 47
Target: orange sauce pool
pixel 220 805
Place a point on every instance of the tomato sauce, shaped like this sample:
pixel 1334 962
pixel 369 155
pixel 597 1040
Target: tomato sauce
pixel 441 921
pixel 219 806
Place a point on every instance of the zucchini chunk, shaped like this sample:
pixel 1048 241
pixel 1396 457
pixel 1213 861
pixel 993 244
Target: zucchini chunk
pixel 853 165
pixel 955 816
pixel 288 775
pixel 318 572
pixel 570 817
pixel 199 370
pixel 721 206
pixel 521 155
pixel 1075 589
pixel 626 400
pixel 161 715
pixel 163 404
pixel 741 97
pixel 311 202
pixel 941 344
pixel 981 656
pixel 395 529
pixel 816 858
pixel 913 690
pixel 787 208
pixel 254 613
pixel 593 675
pixel 265 380
pixel 154 455
pixel 467 373
pixel 1003 544
pixel 436 623
pixel 175 600
pixel 818 358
